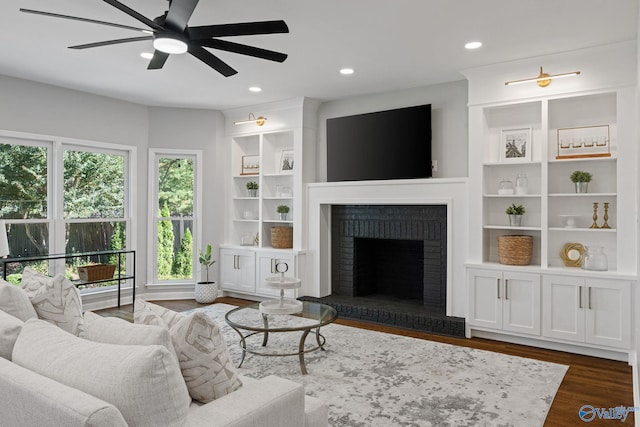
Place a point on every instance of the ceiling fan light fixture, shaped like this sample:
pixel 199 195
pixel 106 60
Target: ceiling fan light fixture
pixel 252 119
pixel 543 79
pixel 169 43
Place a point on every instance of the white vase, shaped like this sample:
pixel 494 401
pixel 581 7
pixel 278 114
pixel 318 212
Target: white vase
pixel 206 292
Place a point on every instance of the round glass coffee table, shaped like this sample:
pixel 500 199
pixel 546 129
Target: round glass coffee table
pixel 249 320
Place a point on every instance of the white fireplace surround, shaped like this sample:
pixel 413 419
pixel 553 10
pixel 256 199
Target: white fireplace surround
pixel 451 192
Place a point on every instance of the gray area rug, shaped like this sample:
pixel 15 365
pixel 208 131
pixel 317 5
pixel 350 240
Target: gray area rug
pixel 376 379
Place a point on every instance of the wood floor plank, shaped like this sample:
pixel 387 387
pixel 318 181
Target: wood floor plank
pixel 589 380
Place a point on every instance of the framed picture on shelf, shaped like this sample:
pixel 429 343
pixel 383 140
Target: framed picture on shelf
pixel 515 145
pixel 286 161
pixel 250 165
pixel 584 142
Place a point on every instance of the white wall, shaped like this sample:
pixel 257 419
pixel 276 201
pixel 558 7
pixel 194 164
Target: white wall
pixel 448 122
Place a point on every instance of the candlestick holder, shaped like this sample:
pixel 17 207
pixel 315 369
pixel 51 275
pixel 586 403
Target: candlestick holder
pixel 595 216
pixel 606 216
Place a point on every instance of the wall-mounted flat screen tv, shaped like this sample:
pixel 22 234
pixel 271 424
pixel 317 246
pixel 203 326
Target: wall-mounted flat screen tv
pixel 392 144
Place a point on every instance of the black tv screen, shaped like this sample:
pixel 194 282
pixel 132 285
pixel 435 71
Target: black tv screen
pixel 392 144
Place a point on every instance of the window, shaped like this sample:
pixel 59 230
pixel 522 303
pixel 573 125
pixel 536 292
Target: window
pixel 175 204
pixel 71 202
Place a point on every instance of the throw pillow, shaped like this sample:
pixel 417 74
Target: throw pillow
pixel 15 301
pixel 204 358
pixel 112 330
pixel 10 327
pixel 55 299
pixel 152 314
pixel 143 382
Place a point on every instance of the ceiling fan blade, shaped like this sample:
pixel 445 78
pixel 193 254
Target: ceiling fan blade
pixel 211 60
pixel 134 14
pixel 158 60
pixel 243 49
pixel 76 18
pixel 110 42
pixel 239 29
pixel 179 13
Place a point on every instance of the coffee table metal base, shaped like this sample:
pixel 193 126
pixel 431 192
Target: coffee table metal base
pixel 320 340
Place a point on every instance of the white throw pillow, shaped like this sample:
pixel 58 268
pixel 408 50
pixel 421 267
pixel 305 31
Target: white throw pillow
pixel 112 330
pixel 204 358
pixel 15 301
pixel 55 299
pixel 143 382
pixel 148 313
pixel 10 327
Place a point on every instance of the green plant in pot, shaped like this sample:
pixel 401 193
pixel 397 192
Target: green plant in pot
pixel 252 187
pixel 206 292
pixel 581 179
pixel 283 210
pixel 515 213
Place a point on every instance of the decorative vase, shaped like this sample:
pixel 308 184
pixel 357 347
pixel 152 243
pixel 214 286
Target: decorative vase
pixel 206 292
pixel 515 220
pixel 283 216
pixel 522 184
pixel 505 187
pixel 582 187
pixel 253 192
pixel 595 259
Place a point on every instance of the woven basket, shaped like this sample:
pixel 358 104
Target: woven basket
pixel 515 250
pixel 282 237
pixel 93 272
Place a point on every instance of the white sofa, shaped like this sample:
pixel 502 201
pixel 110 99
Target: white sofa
pixel 51 377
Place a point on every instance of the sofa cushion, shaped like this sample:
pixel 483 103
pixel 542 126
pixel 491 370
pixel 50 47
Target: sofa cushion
pixel 143 382
pixel 148 313
pixel 55 299
pixel 112 330
pixel 204 358
pixel 15 301
pixel 10 327
pixel 202 352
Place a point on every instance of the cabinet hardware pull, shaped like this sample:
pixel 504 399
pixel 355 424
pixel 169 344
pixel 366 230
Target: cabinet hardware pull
pixel 589 296
pixel 273 264
pixel 236 262
pixel 498 287
pixel 579 296
pixel 506 289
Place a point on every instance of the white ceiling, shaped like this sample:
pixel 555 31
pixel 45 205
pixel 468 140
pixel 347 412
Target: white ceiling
pixel 392 44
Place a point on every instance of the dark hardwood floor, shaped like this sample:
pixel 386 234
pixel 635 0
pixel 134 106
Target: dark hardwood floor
pixel 600 383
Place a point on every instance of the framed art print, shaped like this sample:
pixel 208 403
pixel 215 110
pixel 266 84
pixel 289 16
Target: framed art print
pixel 584 142
pixel 286 161
pixel 250 165
pixel 515 145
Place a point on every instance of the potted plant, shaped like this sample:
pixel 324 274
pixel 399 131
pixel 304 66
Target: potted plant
pixel 206 292
pixel 283 210
pixel 581 180
pixel 252 187
pixel 515 213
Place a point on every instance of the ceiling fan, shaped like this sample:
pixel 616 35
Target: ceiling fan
pixel 171 35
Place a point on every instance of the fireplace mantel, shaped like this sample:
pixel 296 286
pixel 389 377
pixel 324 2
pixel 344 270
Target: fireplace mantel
pixel 436 191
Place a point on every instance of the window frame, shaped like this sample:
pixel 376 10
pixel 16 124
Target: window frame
pixel 155 154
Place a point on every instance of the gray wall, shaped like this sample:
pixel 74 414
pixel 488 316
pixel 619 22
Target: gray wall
pixel 449 122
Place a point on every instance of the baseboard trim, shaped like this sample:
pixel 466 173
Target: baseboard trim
pixel 633 360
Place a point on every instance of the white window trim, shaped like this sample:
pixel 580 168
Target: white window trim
pixel 152 238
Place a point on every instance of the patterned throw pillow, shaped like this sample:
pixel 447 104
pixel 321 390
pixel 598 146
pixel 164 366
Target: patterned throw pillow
pixel 152 314
pixel 204 358
pixel 55 299
pixel 15 301
pixel 202 352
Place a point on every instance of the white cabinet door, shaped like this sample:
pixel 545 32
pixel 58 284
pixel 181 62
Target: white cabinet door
pixel 608 312
pixel 238 270
pixel 267 262
pixel 521 303
pixel 563 303
pixel 485 298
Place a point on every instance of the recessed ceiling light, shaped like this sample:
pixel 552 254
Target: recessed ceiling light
pixel 473 45
pixel 255 89
pixel 347 71
pixel 146 55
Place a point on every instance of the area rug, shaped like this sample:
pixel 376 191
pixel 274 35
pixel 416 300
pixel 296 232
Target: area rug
pixel 371 378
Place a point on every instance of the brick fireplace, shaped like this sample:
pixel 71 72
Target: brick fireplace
pixel 397 251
